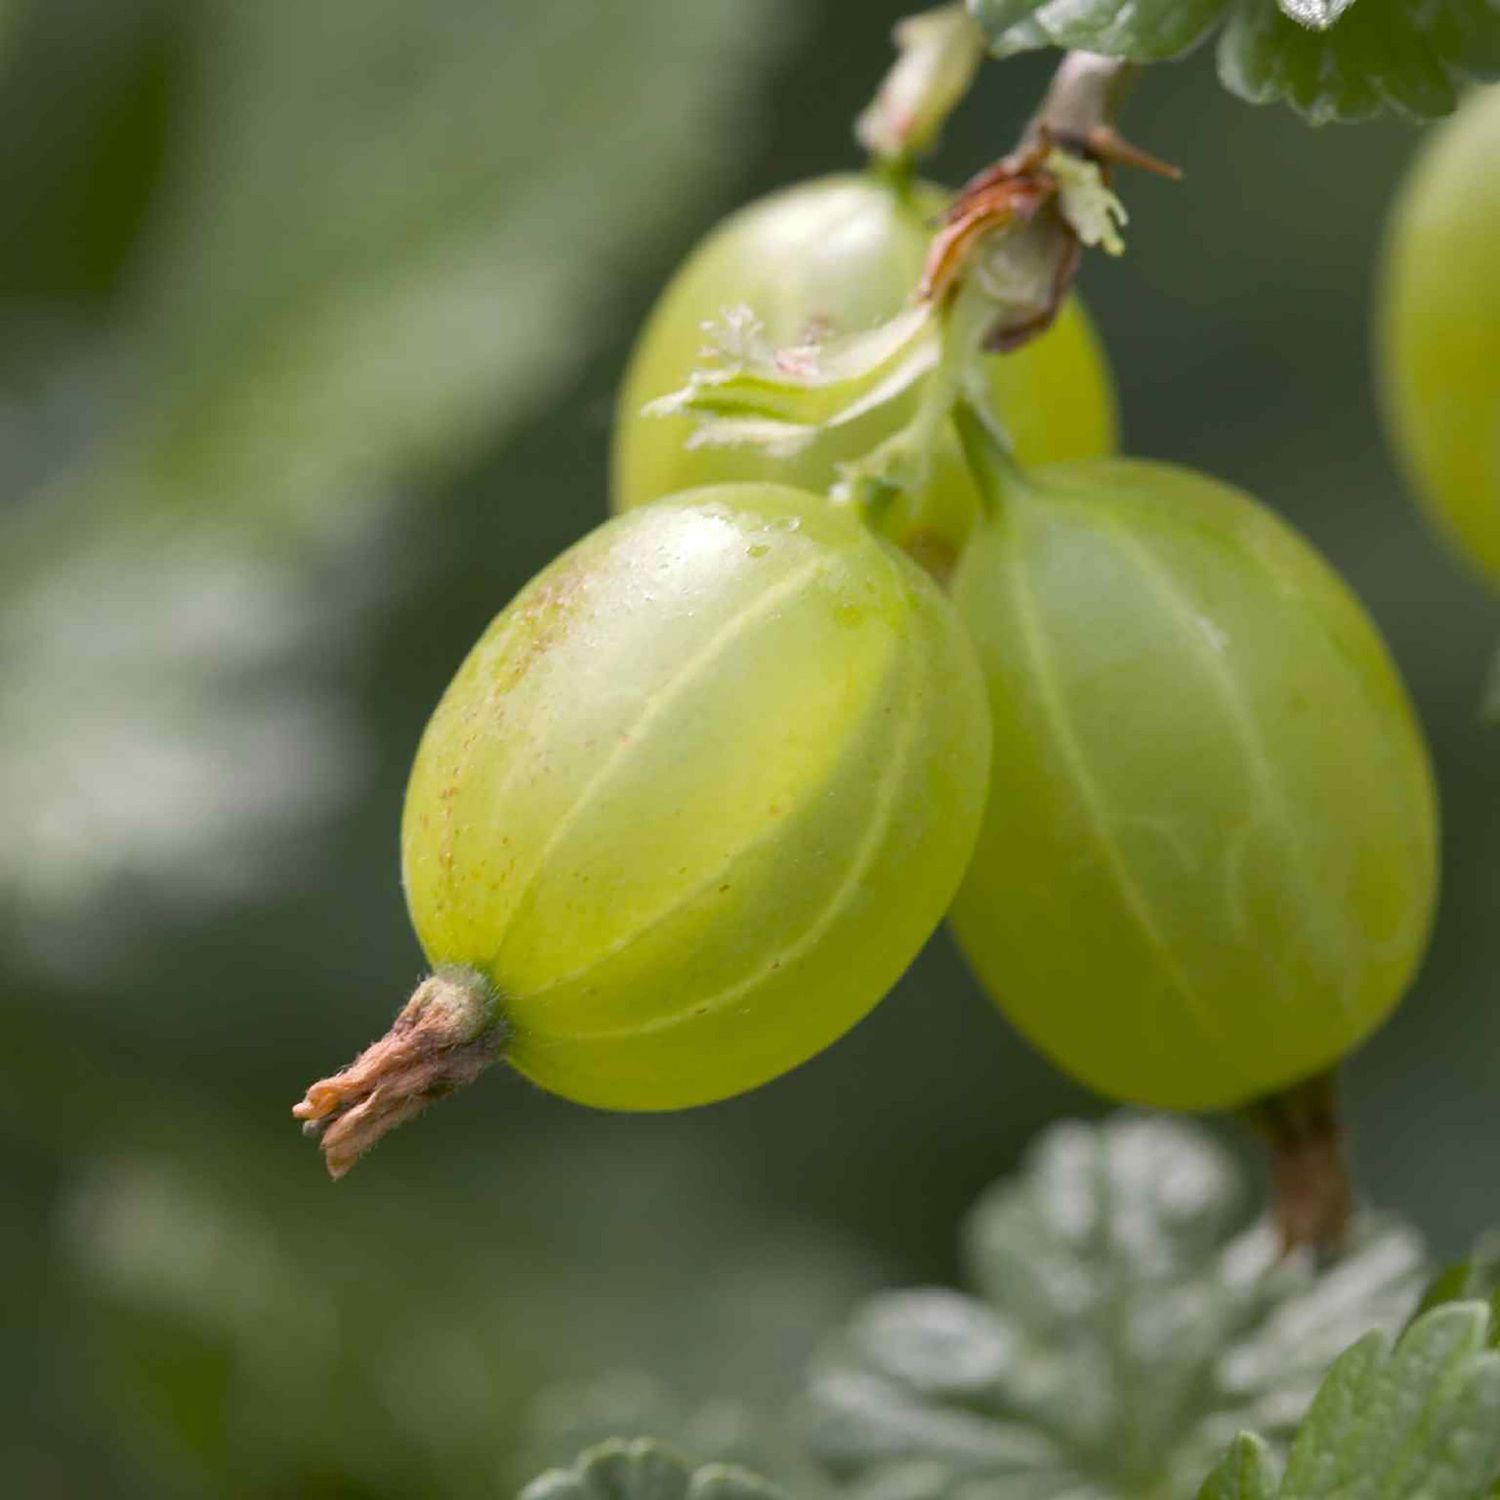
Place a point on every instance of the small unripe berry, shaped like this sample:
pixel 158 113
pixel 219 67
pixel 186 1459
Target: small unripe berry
pixel 840 255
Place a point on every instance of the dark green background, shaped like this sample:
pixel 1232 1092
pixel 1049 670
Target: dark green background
pixel 188 1306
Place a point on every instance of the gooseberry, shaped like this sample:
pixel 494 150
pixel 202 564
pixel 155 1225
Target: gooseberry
pixel 839 255
pixel 687 810
pixel 1207 869
pixel 1439 327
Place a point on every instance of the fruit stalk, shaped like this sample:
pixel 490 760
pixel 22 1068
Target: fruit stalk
pixel 446 1035
pixel 996 276
pixel 1079 108
pixel 1312 1194
pixel 987 453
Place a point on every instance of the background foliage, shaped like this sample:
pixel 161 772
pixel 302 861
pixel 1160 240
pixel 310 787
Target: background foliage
pixel 310 316
pixel 1327 59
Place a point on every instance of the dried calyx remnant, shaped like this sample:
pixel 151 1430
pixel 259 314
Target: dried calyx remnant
pixel 447 1034
pixel 1030 187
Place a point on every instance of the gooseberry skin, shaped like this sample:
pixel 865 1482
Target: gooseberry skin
pixel 1208 866
pixel 841 254
pixel 698 795
pixel 1439 327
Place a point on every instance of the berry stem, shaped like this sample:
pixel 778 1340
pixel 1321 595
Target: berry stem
pixel 1084 96
pixel 889 483
pixel 446 1035
pixel 1079 108
pixel 1312 1192
pixel 988 454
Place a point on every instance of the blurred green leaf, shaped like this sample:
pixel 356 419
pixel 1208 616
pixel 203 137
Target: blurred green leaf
pixel 1476 1279
pixel 1146 31
pixel 643 1470
pixel 397 225
pixel 252 1328
pixel 1381 54
pixel 1422 1419
pixel 568 1419
pixel 1489 705
pixel 1328 59
pixel 392 232
pixel 1246 1472
pixel 88 93
pixel 1124 1333
pixel 1319 15
pixel 177 714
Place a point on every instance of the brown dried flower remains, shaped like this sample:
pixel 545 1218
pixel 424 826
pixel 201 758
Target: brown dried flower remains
pixel 447 1034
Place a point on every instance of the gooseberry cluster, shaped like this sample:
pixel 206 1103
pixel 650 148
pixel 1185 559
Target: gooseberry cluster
pixel 882 630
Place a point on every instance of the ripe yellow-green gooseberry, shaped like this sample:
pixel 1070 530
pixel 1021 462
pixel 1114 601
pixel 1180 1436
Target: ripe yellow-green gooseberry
pixel 1438 327
pixel 1207 869
pixel 834 256
pixel 684 815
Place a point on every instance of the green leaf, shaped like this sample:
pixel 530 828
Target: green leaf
pixel 643 1470
pixel 1148 30
pixel 1474 1279
pixel 1328 59
pixel 1246 1472
pixel 1319 15
pixel 1420 1420
pixel 569 1418
pixel 1381 54
pixel 1125 1330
